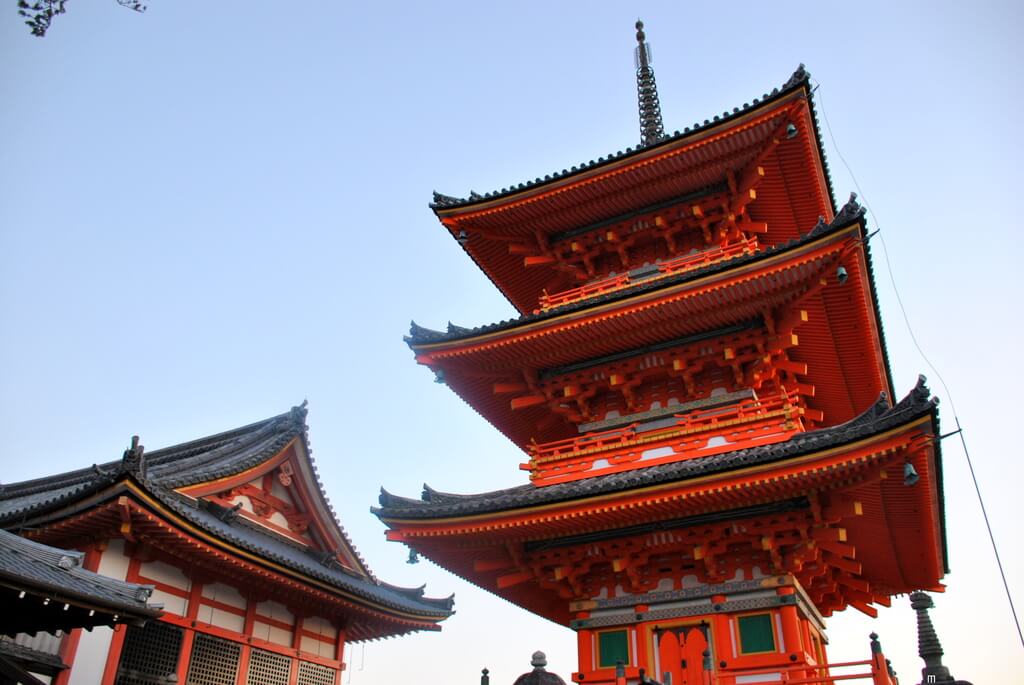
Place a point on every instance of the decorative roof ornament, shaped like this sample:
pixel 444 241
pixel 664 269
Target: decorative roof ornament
pixel 652 130
pixel 133 460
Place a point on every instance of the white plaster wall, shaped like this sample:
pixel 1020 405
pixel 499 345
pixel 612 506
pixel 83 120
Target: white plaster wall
pixel 320 626
pixel 280 636
pixel 275 611
pixel 310 645
pixel 244 501
pixel 91 657
pixel 224 594
pixel 220 618
pixel 278 490
pixel 113 562
pixel 279 519
pixel 265 631
pixel 172 603
pixel 164 573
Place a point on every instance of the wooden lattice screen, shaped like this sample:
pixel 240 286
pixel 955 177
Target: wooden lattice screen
pixel 150 654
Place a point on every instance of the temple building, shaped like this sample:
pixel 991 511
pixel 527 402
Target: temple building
pixel 699 384
pixel 233 538
pixel 45 592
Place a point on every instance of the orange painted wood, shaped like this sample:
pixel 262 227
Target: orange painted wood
pixel 114 655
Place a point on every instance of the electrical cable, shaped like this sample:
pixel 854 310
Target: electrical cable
pixel 920 351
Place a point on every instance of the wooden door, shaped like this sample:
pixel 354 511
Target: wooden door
pixel 670 658
pixel 692 643
pixel 681 655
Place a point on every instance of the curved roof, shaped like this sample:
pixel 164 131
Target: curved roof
pixel 624 186
pixel 713 297
pixel 800 78
pixel 881 416
pixel 162 473
pixel 58 575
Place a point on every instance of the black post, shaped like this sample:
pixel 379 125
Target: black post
pixel 485 678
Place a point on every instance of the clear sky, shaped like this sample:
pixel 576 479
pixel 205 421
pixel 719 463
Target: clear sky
pixel 214 210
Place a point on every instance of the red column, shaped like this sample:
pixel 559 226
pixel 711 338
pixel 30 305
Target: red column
pixel 69 645
pixel 247 627
pixel 339 654
pixel 190 635
pixel 790 624
pixel 296 645
pixel 117 639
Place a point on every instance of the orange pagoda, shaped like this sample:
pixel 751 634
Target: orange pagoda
pixel 699 383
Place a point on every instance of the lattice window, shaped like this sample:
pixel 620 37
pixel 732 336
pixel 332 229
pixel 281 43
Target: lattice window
pixel 213 662
pixel 315 674
pixel 267 668
pixel 150 654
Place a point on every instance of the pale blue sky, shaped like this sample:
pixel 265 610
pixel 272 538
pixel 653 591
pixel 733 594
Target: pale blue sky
pixel 214 210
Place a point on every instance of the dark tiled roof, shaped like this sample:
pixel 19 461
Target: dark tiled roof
pixel 878 418
pixel 51 571
pixel 852 212
pixel 799 79
pixel 162 471
pixel 244 534
pixel 192 462
pixel 23 654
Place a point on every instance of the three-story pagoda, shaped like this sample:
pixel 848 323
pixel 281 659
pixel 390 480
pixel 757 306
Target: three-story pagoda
pixel 699 383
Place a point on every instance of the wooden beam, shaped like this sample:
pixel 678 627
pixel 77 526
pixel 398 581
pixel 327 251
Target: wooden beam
pixel 527 401
pixel 485 565
pixel 509 388
pixel 511 579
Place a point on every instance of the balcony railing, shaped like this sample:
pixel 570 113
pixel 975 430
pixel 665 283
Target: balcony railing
pixel 660 270
pixel 746 423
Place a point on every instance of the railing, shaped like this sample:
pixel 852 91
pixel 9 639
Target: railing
pixel 879 671
pixel 781 405
pixel 672 266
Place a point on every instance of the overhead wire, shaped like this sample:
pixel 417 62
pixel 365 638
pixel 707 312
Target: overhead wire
pixel 906 320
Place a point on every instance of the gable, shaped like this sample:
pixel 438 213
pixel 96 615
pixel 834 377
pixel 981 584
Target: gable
pixel 283 496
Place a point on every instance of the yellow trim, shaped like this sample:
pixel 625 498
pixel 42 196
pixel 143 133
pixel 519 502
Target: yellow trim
pixel 629 646
pixel 739 633
pixel 668 486
pixel 262 468
pixel 217 542
pixel 786 255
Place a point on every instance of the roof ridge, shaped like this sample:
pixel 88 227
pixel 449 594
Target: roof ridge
pixel 799 78
pixel 222 436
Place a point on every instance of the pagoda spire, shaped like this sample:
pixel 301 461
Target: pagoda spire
pixel 651 128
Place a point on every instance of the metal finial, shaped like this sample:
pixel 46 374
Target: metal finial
pixel 652 130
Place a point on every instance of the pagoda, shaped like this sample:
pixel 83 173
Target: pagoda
pixel 251 578
pixel 699 383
